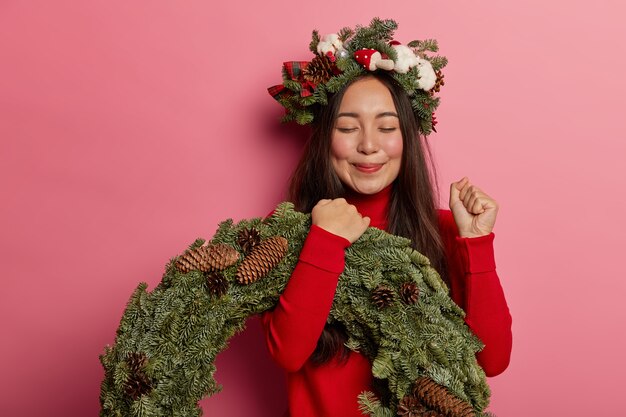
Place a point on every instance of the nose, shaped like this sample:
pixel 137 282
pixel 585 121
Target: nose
pixel 368 142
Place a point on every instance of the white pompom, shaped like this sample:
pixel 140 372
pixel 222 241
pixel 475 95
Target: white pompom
pixel 329 43
pixel 427 76
pixel 406 59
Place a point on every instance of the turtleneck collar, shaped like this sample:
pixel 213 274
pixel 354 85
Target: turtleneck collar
pixel 374 206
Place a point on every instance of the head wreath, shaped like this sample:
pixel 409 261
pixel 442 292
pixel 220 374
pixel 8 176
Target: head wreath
pixel 342 57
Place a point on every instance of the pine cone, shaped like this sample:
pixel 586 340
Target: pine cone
pixel 263 258
pixel 213 257
pixel 138 382
pixel 410 407
pixel 319 70
pixel 216 283
pixel 438 83
pixel 248 239
pixel 409 292
pixel 382 297
pixel 440 399
pixel 432 413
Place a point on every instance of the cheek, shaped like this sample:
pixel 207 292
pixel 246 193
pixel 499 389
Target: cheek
pixel 393 147
pixel 338 155
pixel 339 149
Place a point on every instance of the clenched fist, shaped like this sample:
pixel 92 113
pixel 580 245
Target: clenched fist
pixel 474 211
pixel 340 218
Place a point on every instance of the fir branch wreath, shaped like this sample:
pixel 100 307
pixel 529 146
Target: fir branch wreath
pixel 395 307
pixel 340 58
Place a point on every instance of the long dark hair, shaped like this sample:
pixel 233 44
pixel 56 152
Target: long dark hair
pixel 412 208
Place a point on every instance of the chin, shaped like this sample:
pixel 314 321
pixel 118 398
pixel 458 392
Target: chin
pixel 368 188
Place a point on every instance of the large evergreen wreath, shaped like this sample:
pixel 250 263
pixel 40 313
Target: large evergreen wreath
pixel 394 305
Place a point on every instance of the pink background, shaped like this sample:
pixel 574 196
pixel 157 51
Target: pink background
pixel 128 129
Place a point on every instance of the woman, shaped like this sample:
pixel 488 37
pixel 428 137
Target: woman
pixel 364 166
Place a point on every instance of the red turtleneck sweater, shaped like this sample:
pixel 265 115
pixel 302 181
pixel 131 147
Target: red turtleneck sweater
pixel 294 326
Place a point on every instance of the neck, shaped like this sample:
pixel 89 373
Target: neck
pixel 375 206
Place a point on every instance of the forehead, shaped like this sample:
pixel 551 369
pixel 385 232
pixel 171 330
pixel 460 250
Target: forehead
pixel 367 95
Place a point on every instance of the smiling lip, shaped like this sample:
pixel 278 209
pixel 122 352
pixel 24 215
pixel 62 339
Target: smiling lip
pixel 368 168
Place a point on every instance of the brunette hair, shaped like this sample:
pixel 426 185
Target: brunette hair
pixel 412 209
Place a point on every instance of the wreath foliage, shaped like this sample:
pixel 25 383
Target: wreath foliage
pixel 395 307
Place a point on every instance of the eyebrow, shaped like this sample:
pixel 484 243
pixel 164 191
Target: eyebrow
pixel 378 116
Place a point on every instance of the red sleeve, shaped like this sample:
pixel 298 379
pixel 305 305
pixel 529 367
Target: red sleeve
pixel 296 323
pixel 475 287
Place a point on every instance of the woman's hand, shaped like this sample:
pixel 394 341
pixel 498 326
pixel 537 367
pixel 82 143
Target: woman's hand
pixel 474 211
pixel 340 218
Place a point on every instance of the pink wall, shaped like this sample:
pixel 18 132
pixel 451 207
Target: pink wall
pixel 130 128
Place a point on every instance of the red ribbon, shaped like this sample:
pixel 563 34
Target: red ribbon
pixel 294 71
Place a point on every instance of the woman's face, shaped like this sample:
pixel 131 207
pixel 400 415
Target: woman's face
pixel 366 147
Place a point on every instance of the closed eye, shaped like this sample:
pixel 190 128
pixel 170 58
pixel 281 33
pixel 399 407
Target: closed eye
pixel 346 129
